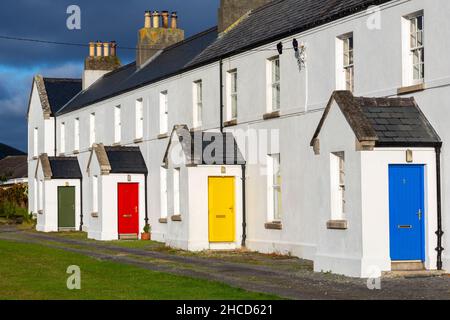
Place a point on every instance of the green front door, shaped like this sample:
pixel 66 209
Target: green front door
pixel 66 208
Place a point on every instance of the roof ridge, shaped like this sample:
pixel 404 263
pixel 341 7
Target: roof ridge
pixel 62 79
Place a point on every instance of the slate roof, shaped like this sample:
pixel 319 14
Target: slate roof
pixel 61 91
pixel 170 61
pixel 385 121
pixel 207 148
pixel 65 168
pixel 6 150
pixel 126 160
pixel 279 19
pixel 14 167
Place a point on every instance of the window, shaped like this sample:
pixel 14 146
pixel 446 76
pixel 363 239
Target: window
pixel 95 194
pixel 35 195
pixel 198 104
pixel 41 195
pixel 274 187
pixel 274 84
pixel 92 133
pixel 62 137
pixel 163 178
pixel 117 124
pixel 35 142
pixel 232 95
pixel 337 169
pixel 176 191
pixel 345 70
pixel 163 112
pixel 417 48
pixel 76 134
pixel 139 113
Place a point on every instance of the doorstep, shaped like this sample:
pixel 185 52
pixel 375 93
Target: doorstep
pixel 222 246
pixel 407 266
pixel 414 274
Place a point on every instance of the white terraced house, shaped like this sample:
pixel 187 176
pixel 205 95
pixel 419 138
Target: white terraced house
pixel 311 128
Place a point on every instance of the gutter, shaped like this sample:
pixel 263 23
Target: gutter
pixel 439 232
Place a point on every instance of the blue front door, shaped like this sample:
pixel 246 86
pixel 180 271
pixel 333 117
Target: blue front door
pixel 406 203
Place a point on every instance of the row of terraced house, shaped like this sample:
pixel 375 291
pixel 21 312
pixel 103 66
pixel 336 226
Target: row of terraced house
pixel 311 128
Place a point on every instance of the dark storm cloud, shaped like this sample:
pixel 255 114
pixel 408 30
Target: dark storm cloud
pixel 103 20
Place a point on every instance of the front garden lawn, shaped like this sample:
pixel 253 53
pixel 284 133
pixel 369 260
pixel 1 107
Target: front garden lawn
pixel 29 271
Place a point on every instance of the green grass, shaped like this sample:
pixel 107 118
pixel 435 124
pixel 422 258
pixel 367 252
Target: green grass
pixel 30 272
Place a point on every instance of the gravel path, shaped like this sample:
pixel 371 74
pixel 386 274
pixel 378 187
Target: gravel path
pixel 286 277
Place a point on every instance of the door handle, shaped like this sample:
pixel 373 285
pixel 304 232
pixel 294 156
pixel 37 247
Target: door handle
pixel 419 214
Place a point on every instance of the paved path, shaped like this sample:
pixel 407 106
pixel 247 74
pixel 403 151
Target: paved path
pixel 288 278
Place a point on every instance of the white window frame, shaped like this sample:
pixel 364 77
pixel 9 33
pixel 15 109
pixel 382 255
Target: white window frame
pixel 92 129
pixel 198 103
pixel 345 62
pixel 94 190
pixel 337 185
pixel 410 48
pixel 163 198
pixel 117 124
pixel 232 94
pixel 273 84
pixel 76 134
pixel 274 195
pixel 139 118
pixel 35 195
pixel 62 137
pixel 36 142
pixel 164 112
pixel 41 196
pixel 176 191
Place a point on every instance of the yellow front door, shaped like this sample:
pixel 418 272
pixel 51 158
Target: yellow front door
pixel 221 199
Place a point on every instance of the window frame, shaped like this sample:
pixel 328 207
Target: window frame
pixel 62 137
pixel 274 188
pixel 76 134
pixel 139 118
pixel 417 48
pixel 176 191
pixel 36 142
pixel 94 186
pixel 274 84
pixel 92 129
pixel 338 185
pixel 118 124
pixel 232 94
pixel 198 104
pixel 164 193
pixel 164 112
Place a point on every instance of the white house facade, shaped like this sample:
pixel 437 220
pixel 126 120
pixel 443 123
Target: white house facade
pixel 316 129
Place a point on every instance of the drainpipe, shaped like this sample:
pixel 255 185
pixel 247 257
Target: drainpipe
pixel 55 147
pixel 146 199
pixel 439 232
pixel 81 204
pixel 221 94
pixel 244 207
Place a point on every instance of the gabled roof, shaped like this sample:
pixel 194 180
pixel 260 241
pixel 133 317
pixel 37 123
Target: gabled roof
pixel 384 121
pixel 6 150
pixel 279 19
pixel 167 62
pixel 14 167
pixel 205 148
pixel 126 160
pixel 60 167
pixel 54 93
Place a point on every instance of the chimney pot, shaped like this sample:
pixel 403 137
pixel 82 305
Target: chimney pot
pixel 165 16
pixel 113 48
pixel 99 49
pixel 91 49
pixel 106 46
pixel 155 19
pixel 148 19
pixel 174 20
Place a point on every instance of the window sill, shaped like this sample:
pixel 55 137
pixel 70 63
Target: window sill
pixel 411 89
pixel 230 123
pixel 271 115
pixel 35 158
pixel 76 151
pixel 176 218
pixel 163 136
pixel 41 212
pixel 139 140
pixel 116 144
pixel 94 214
pixel 62 155
pixel 196 129
pixel 163 220
pixel 337 225
pixel 275 225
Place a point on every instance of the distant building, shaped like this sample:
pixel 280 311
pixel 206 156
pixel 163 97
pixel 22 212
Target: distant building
pixel 6 150
pixel 13 170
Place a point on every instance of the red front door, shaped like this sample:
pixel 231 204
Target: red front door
pixel 128 209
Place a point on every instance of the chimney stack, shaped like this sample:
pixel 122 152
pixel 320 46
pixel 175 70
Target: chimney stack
pixel 155 37
pixel 174 20
pixel 148 19
pixel 101 60
pixel 165 18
